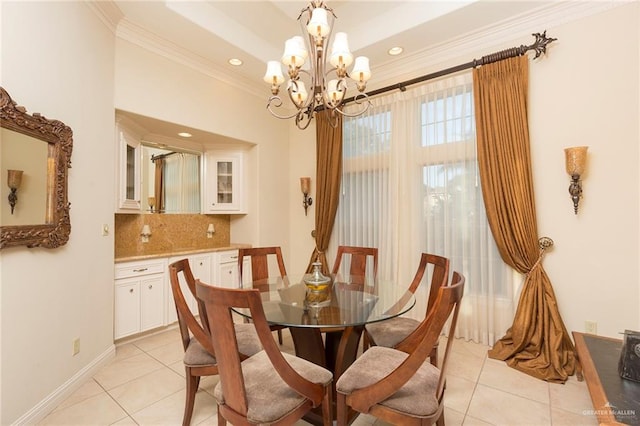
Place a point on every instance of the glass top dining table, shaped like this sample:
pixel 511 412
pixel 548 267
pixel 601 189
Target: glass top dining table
pixel 326 326
pixel 347 302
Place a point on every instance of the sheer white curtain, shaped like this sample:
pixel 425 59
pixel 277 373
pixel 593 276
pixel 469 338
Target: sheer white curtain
pixel 410 184
pixel 182 183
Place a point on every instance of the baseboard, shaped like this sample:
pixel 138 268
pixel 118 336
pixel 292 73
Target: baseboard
pixel 48 404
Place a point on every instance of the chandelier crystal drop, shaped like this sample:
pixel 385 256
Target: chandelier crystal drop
pixel 326 76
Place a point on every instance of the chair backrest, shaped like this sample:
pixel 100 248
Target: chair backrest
pixel 439 275
pixel 358 261
pixel 187 322
pixel 425 337
pixel 219 303
pixel 260 261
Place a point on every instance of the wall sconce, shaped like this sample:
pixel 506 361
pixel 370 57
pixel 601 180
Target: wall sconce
pixel 210 230
pixel 576 160
pixel 305 186
pixel 145 234
pixel 14 179
pixel 152 202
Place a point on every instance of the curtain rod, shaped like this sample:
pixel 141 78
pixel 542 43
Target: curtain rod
pixel 539 45
pixel 159 156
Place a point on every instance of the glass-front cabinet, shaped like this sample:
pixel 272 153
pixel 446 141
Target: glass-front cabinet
pixel 223 186
pixel 129 156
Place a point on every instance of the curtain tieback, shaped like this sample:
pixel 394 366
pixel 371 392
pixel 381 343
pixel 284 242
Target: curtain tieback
pixel 544 243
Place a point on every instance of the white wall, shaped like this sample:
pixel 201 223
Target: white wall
pixel 49 64
pixel 586 93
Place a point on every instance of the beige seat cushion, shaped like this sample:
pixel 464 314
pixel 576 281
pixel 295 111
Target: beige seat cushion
pixel 391 332
pixel 416 398
pixel 269 398
pixel 248 344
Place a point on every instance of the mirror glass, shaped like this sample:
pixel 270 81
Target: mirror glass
pixel 29 155
pixel 171 179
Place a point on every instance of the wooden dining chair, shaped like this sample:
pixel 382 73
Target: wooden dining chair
pixel 396 385
pixel 271 387
pixel 393 331
pixel 260 271
pixel 358 257
pixel 199 356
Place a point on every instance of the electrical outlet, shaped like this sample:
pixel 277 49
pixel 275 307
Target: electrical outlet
pixel 105 230
pixel 76 346
pixel 591 327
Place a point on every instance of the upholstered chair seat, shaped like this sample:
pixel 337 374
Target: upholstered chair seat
pixel 248 344
pixel 416 398
pixel 269 398
pixel 391 332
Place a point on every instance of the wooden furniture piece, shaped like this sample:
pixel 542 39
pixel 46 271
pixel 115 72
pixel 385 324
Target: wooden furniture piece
pixel 358 260
pixel 199 355
pixel 346 311
pixel 396 385
pixel 615 400
pixel 271 387
pixel 393 332
pixel 260 270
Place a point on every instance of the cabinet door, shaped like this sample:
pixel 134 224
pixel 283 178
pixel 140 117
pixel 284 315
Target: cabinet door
pixel 127 308
pixel 151 302
pixel 223 185
pixel 228 275
pixel 246 272
pixel 201 269
pixel 129 158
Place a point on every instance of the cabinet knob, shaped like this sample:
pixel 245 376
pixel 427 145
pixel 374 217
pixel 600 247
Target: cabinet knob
pixel 140 270
pixel 150 286
pixel 201 263
pixel 130 290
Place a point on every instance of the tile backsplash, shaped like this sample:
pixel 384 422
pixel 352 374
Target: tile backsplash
pixel 169 233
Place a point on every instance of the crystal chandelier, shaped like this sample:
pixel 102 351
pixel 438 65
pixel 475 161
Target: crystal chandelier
pixel 328 81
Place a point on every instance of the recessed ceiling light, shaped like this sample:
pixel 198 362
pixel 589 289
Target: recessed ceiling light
pixel 185 134
pixel 395 51
pixel 235 62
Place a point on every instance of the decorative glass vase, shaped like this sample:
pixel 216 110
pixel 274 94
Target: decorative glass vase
pixel 318 286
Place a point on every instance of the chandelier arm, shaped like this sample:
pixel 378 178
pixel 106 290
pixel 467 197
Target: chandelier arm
pixel 301 122
pixel 277 103
pixel 355 114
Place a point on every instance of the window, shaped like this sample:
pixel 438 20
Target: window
pixel 411 184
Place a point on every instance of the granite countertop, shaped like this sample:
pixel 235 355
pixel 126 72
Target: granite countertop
pixel 179 253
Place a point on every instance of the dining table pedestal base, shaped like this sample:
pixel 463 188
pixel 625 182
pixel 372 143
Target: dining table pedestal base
pixel 336 351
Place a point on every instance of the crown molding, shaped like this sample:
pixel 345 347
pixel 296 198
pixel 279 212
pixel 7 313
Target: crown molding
pixel 108 12
pixel 147 40
pixel 478 43
pixel 482 40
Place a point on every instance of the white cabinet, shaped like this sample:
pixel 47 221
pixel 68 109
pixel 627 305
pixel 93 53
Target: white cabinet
pixel 226 270
pixel 223 188
pixel 139 296
pixel 128 164
pixel 201 266
pixel 143 295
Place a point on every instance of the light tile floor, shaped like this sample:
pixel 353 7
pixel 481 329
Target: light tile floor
pixel 145 385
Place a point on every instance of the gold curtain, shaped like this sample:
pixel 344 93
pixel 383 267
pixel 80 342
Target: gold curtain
pixel 159 184
pixel 328 175
pixel 537 343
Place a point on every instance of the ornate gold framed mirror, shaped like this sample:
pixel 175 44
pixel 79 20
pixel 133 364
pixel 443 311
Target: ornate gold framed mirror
pixel 35 155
